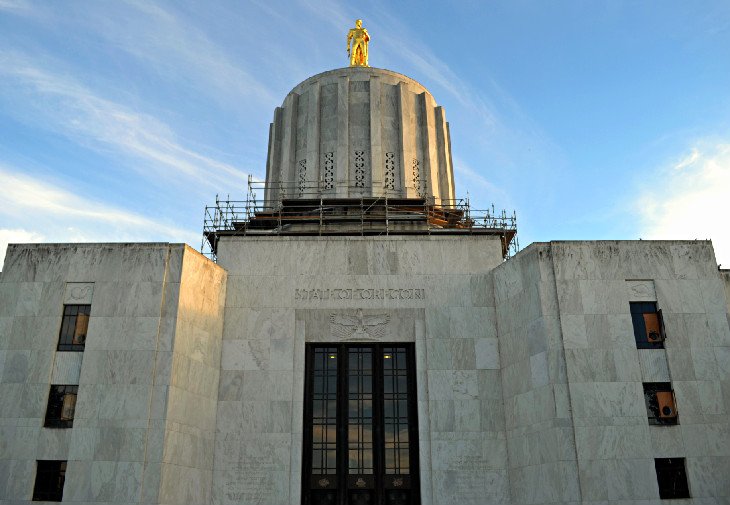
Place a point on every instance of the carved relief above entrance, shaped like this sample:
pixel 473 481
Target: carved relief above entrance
pixel 360 324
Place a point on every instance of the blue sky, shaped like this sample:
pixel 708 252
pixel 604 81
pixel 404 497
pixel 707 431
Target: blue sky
pixel 121 120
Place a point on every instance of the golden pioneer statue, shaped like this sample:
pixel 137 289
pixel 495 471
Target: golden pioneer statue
pixel 360 38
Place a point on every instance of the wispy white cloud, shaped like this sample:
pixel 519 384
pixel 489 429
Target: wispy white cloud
pixel 689 160
pixel 437 71
pixel 68 107
pixel 45 210
pixel 14 5
pixel 164 39
pixel 688 199
pixel 477 181
pixel 159 37
pixel 23 193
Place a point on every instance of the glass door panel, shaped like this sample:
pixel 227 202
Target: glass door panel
pixel 324 425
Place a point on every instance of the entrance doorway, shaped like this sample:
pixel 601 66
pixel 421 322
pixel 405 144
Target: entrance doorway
pixel 360 425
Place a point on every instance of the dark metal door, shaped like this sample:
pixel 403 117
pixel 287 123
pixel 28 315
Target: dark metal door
pixel 360 425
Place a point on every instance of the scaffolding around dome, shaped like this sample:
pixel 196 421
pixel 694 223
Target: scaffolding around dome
pixel 379 215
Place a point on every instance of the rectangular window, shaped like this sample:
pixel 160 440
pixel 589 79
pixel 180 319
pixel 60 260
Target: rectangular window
pixel 73 327
pixel 648 325
pixel 49 479
pixel 672 478
pixel 660 404
pixel 61 407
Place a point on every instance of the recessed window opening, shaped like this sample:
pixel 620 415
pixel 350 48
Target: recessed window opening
pixel 672 478
pixel 74 326
pixel 660 404
pixel 61 406
pixel 49 480
pixel 648 325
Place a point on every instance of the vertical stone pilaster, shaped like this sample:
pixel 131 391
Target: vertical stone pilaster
pixel 450 168
pixel 273 162
pixel 342 164
pixel 376 138
pixel 430 167
pixel 269 154
pixel 313 133
pixel 289 146
pixel 445 174
pixel 405 141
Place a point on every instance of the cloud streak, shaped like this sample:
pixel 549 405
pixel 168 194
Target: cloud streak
pixel 23 195
pixel 41 210
pixel 466 172
pixel 14 5
pixel 164 39
pixel 68 107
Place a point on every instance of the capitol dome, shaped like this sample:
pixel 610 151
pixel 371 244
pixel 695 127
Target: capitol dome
pixel 359 132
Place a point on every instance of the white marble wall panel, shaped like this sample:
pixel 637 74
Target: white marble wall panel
pixel 709 477
pixel 667 441
pixel 725 276
pixel 631 479
pixel 607 400
pixel 654 366
pixel 692 260
pixel 26 366
pixel 67 368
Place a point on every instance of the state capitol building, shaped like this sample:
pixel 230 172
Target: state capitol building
pixel 358 334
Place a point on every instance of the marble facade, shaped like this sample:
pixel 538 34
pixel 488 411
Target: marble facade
pixel 144 425
pixel 529 379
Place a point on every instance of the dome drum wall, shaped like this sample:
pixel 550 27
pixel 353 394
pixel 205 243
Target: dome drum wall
pixel 359 132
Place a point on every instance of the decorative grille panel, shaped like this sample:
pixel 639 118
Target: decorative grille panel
pixel 390 171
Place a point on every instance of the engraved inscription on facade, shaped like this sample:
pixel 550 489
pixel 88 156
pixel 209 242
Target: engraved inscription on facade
pixel 360 294
pixel 257 484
